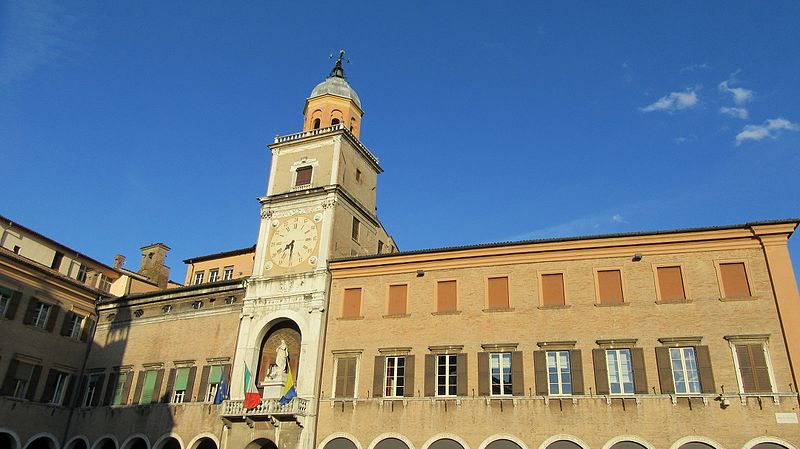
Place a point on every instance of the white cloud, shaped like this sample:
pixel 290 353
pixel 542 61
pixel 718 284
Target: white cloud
pixel 735 112
pixel 693 67
pixel 770 128
pixel 680 140
pixel 740 94
pixel 675 101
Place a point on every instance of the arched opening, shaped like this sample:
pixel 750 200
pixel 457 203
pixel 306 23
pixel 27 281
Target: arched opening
pixel 284 331
pixel 41 443
pixel 503 444
pixel 335 121
pixel 7 440
pixel 564 444
pixel 205 443
pixel 353 125
pixel 136 443
pixel 169 443
pixel 340 443
pixel 446 443
pixel 391 443
pixel 769 445
pixel 105 443
pixel 77 444
pixel 696 445
pixel 261 443
pixel 627 445
pixel 317 122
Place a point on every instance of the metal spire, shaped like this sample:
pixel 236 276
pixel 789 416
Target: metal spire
pixel 338 70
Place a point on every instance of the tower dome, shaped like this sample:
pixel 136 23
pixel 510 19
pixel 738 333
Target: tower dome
pixel 333 102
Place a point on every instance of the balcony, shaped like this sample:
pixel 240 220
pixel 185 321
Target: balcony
pixel 268 408
pixel 327 130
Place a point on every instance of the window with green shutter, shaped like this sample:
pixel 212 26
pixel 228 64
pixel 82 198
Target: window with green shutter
pixel 181 385
pixel 214 379
pixel 148 387
pixel 119 389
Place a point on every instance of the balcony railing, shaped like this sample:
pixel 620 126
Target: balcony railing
pixel 326 130
pixel 267 407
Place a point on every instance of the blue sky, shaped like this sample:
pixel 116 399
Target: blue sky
pixel 123 124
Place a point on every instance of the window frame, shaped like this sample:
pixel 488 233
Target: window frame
pixel 559 372
pixel 355 232
pixel 747 272
pixel 436 310
pixel 90 390
pixel 619 366
pixel 448 376
pixel 211 388
pixel 4 302
pixel 60 388
pixel 297 170
pixel 763 340
pixel 39 322
pixel 685 371
pixel 199 277
pixel 505 389
pixel 389 297
pixel 341 355
pixel 486 301
pixel 623 282
pixel 21 385
pixel 180 394
pixel 213 275
pixel 687 297
pixel 390 391
pixel 227 273
pixel 119 388
pixel 75 331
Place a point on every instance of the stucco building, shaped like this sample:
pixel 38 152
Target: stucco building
pixel 684 339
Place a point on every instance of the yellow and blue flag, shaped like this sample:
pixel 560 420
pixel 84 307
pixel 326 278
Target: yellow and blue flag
pixel 289 391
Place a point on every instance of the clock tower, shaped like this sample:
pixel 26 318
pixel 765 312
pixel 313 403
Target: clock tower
pixel 320 204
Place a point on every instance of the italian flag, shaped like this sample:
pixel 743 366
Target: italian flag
pixel 251 395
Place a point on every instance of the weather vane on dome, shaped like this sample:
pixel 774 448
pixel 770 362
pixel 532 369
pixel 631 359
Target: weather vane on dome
pixel 338 71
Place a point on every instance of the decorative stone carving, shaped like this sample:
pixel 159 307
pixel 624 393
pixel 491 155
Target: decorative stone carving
pixel 265 213
pixel 312 260
pixel 328 203
pixel 318 217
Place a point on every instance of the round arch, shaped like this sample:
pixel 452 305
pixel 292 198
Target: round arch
pixel 500 437
pixel 73 443
pixel 40 441
pixel 445 436
pixel 768 440
pixel 199 439
pixel 696 439
pixel 390 436
pixel 563 437
pixel 163 442
pixel 10 436
pixel 266 323
pixel 261 443
pixel 338 435
pixel 627 438
pixel 133 439
pixel 103 442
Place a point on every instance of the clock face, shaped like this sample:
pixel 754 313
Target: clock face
pixel 293 241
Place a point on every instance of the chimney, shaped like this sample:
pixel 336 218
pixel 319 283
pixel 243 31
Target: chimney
pixel 152 266
pixel 119 260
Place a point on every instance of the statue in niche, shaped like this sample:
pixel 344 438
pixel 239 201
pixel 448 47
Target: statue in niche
pixel 281 361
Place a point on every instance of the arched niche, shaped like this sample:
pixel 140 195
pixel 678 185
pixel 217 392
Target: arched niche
pixel 696 445
pixel 769 445
pixel 445 443
pixel 77 443
pixel 261 443
pixel 42 442
pixel 564 444
pixel 169 443
pixel 391 443
pixel 205 443
pixel 8 440
pixel 136 443
pixel 627 445
pixel 284 330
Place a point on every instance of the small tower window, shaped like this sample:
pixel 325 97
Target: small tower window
pixel 303 176
pixel 335 122
pixel 358 175
pixel 316 123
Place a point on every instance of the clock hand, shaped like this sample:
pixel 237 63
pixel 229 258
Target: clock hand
pixel 291 249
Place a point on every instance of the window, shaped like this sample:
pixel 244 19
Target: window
pixel 5 300
pixel 120 393
pixel 303 176
pixel 734 280
pixel 59 388
pixel 753 367
pixel 500 373
pixel 685 374
pixel 75 326
pixel 559 374
pixel 198 277
pixel 57 258
pixel 92 391
pixel 355 232
pixel 497 293
pixel 380 246
pixel 670 284
pixel 398 296
pixel 105 283
pixel 335 121
pixel 21 380
pixel 446 375
pixel 148 395
pixel 181 386
pixel 197 305
pixel 16 249
pixel 358 175
pixel 41 314
pixel 620 371
pixel 345 377
pixel 351 308
pixel 213 275
pixel 552 286
pixel 446 296
pixel 395 377
pixel 82 272
pixel 215 376
pixel 227 273
pixel 316 123
pixel 609 287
